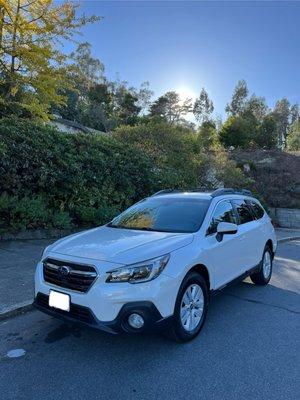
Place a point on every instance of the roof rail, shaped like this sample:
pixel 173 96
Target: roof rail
pixel 166 191
pixel 214 193
pixel 223 191
pixel 201 190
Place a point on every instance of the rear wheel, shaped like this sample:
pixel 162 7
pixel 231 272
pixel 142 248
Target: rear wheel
pixel 190 308
pixel 263 276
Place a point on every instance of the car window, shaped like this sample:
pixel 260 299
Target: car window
pixel 257 209
pixel 222 213
pixel 244 211
pixel 164 214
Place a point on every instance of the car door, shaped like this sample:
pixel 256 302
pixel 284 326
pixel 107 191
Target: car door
pixel 223 257
pixel 261 230
pixel 249 236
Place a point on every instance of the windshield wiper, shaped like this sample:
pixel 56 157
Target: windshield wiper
pixel 145 228
pixel 110 225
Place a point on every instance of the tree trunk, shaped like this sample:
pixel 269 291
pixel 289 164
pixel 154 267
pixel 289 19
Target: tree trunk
pixel 12 72
pixel 14 38
pixel 2 11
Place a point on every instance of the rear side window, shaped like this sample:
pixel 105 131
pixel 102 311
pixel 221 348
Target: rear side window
pixel 257 209
pixel 222 213
pixel 244 211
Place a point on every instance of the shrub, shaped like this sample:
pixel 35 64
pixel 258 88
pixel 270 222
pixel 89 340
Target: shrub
pixel 88 215
pixel 61 220
pixel 17 214
pixel 174 151
pixel 52 179
pixel 67 175
pixel 227 174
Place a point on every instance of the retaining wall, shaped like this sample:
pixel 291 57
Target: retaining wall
pixel 286 217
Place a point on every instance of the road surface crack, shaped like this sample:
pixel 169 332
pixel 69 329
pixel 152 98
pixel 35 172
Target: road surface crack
pixel 261 302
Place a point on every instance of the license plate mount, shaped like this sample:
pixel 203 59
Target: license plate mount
pixel 59 300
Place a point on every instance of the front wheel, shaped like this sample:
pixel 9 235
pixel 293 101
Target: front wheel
pixel 190 308
pixel 263 276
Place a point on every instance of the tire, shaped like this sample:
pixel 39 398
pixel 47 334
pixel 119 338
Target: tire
pixel 263 276
pixel 194 313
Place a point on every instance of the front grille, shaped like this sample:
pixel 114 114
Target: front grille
pixel 79 313
pixel 69 275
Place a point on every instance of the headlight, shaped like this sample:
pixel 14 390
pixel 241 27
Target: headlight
pixel 141 272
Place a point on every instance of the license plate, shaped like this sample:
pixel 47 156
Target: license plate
pixel 59 300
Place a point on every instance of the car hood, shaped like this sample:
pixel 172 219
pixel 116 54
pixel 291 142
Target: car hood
pixel 120 246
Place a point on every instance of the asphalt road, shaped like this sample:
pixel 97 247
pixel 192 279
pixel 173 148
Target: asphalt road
pixel 248 349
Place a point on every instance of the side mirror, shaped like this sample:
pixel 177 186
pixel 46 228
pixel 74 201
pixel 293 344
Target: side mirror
pixel 225 228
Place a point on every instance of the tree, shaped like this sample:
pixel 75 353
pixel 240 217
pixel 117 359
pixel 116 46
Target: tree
pixel 87 73
pixel 170 108
pixel 266 136
pixel 237 132
pixel 129 110
pixel 237 104
pixel 125 100
pixel 99 112
pixel 203 107
pixel 295 113
pixel 86 70
pixel 99 103
pixel 31 72
pixel 255 108
pixel 285 116
pixel 218 122
pixel 144 95
pixel 293 139
pixel 207 135
pixel 281 114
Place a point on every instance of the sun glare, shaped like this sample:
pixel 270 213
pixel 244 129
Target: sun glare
pixel 186 93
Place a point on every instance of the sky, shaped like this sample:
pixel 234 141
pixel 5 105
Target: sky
pixel 185 46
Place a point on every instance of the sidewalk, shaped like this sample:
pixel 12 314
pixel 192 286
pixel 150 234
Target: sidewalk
pixel 285 234
pixel 17 265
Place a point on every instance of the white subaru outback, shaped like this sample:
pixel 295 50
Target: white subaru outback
pixel 157 263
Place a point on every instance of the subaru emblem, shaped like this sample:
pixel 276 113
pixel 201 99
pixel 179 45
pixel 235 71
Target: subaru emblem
pixel 64 270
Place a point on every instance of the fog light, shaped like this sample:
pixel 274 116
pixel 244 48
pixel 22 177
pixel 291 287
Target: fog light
pixel 136 321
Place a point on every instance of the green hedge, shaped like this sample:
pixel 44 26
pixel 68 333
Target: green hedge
pixel 52 179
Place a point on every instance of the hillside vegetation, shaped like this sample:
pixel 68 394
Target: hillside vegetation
pixel 51 179
pixel 275 175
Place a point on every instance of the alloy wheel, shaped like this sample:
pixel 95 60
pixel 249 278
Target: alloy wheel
pixel 192 305
pixel 267 265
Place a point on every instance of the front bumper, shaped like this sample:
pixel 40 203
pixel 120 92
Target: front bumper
pixel 106 300
pixel 84 316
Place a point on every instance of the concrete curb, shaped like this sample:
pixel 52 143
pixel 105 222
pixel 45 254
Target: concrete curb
pixel 15 310
pixel 38 234
pixel 288 239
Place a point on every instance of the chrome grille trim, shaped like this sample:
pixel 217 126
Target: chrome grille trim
pixel 79 277
pixel 74 271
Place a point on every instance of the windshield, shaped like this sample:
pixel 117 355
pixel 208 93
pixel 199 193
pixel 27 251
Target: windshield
pixel 164 215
